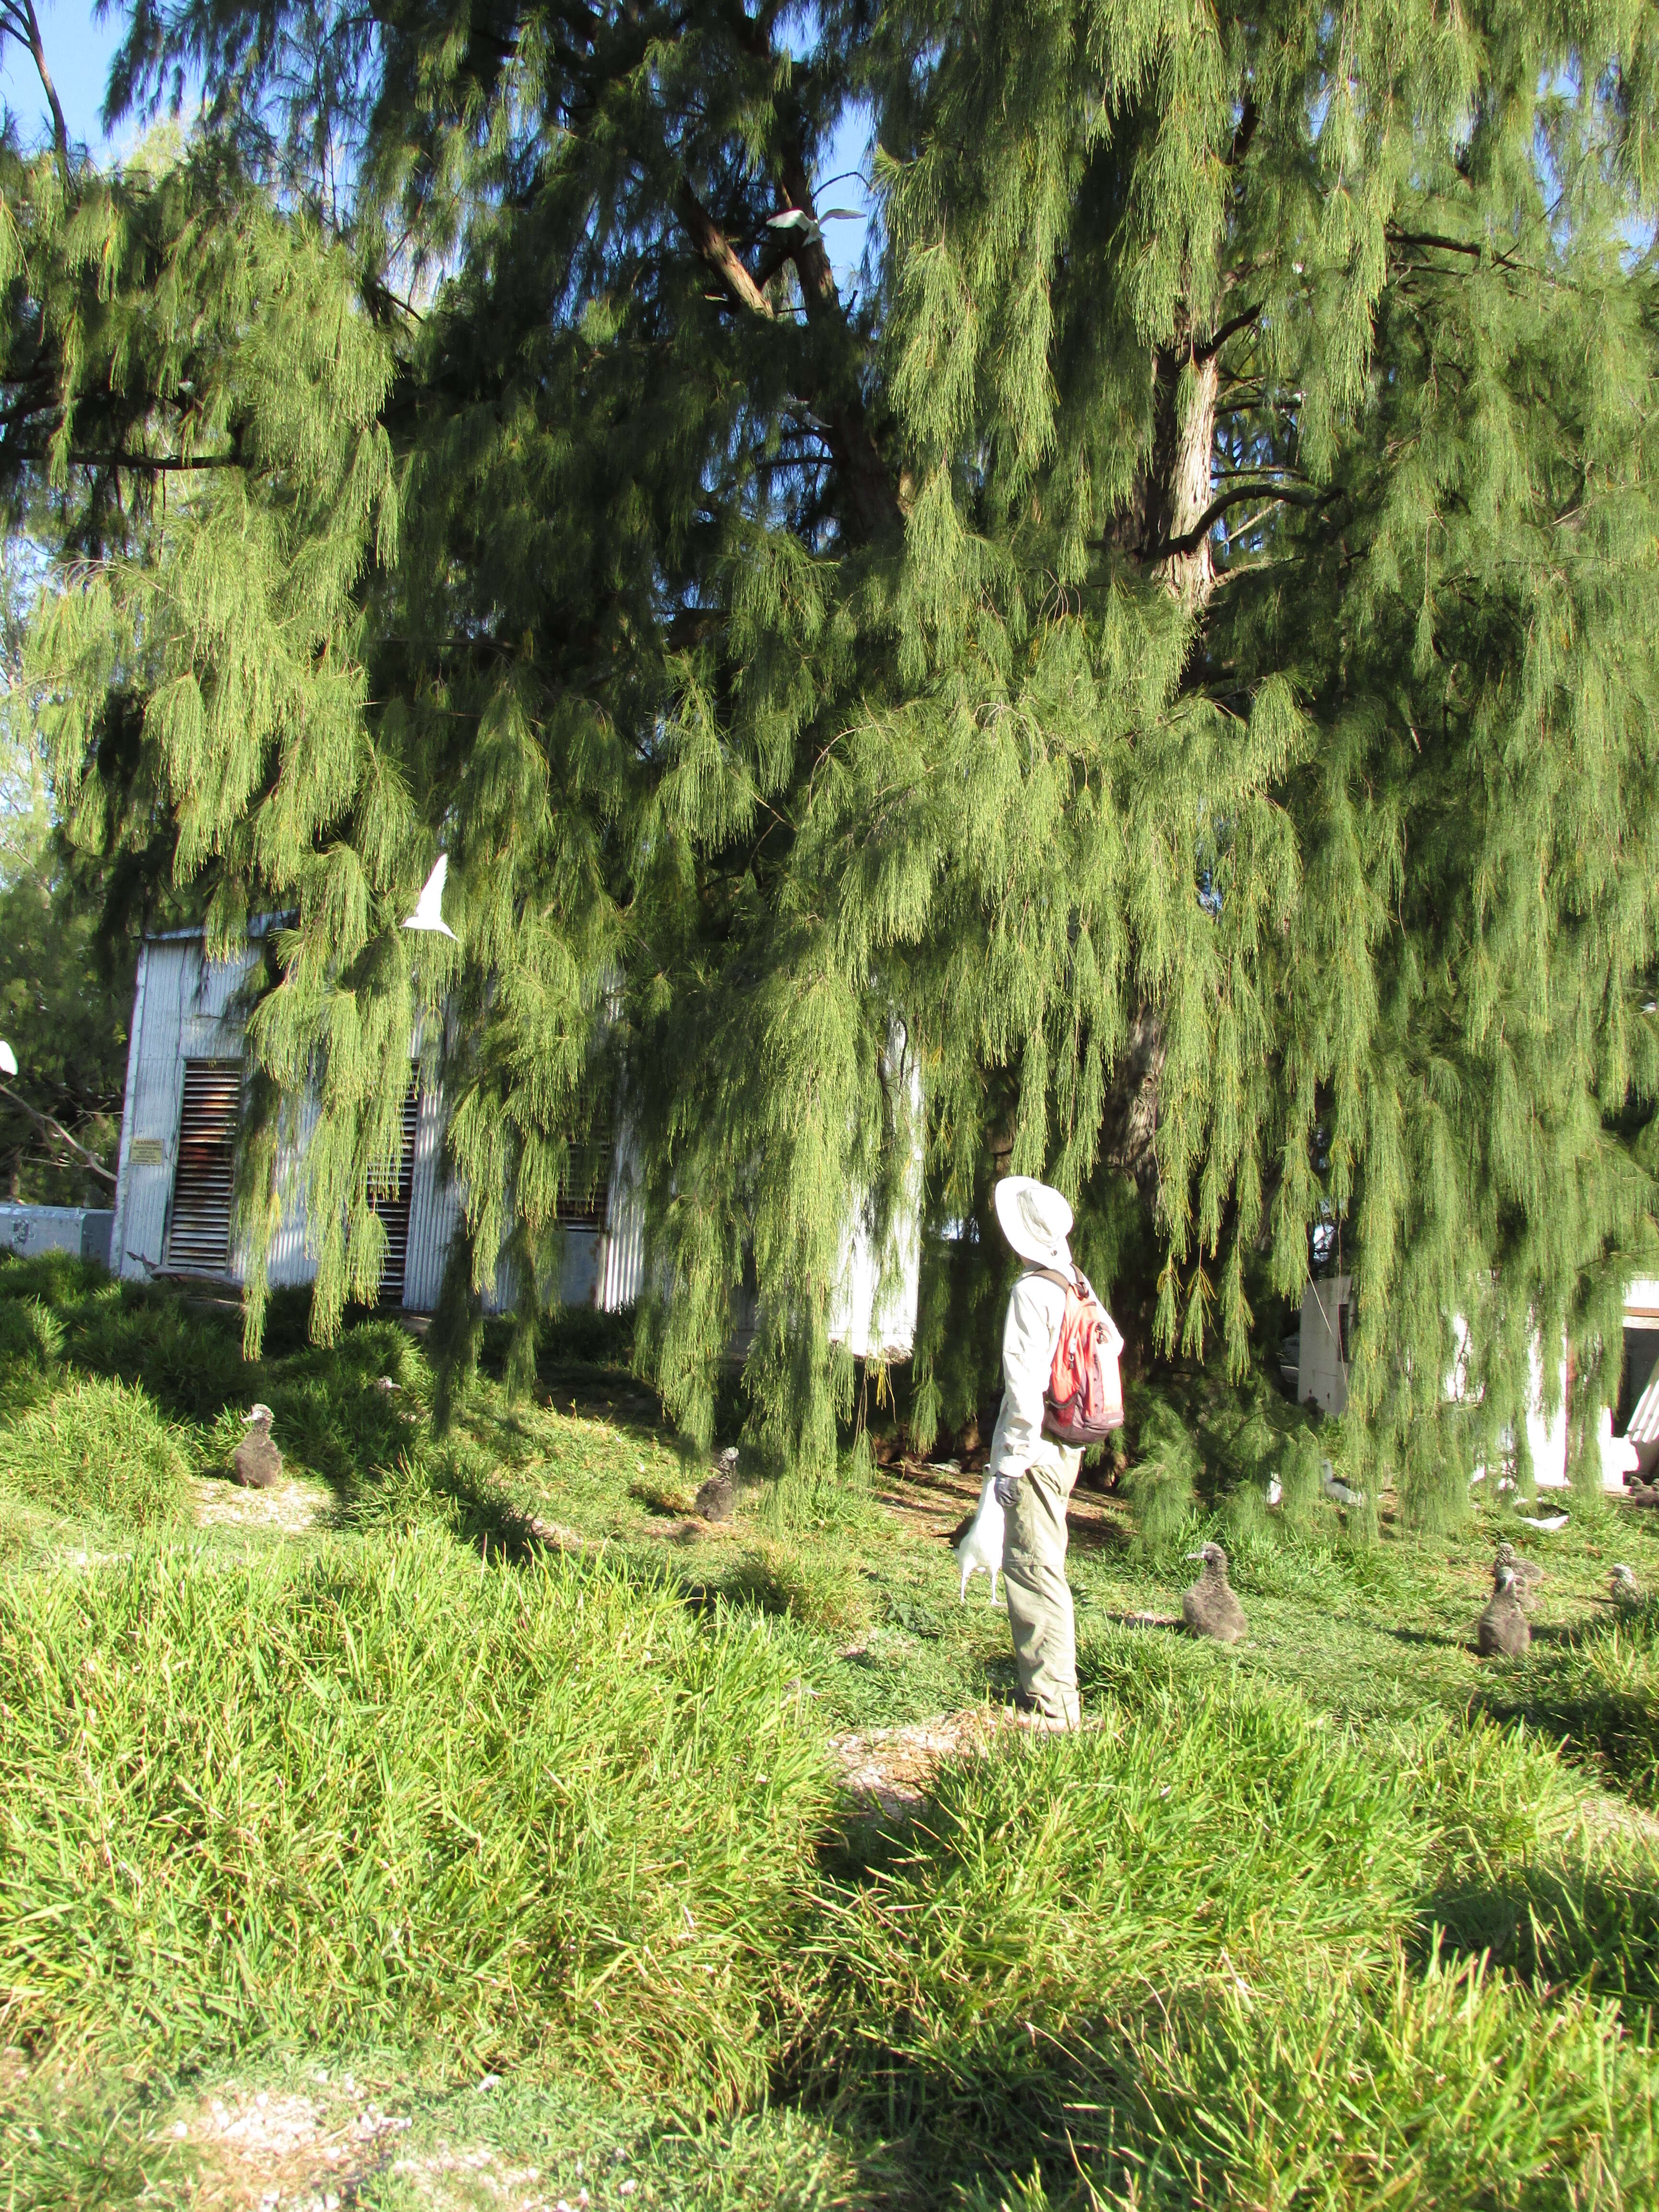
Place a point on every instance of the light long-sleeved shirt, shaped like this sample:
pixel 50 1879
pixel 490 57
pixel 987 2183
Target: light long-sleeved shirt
pixel 1035 1310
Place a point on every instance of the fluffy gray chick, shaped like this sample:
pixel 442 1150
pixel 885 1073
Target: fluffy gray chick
pixel 718 1499
pixel 1529 1574
pixel 1209 1608
pixel 1502 1630
pixel 256 1463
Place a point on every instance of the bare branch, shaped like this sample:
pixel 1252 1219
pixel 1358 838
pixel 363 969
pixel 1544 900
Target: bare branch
pixel 1207 348
pixel 18 17
pixel 88 1160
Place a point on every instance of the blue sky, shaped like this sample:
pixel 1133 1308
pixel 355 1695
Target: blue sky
pixel 78 50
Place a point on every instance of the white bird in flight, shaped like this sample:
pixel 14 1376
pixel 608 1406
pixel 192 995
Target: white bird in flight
pixel 429 906
pixel 8 1059
pixel 1547 1524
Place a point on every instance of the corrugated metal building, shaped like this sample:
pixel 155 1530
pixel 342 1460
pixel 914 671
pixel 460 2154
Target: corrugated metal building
pixel 179 1129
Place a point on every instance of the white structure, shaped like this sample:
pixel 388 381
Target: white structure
pixel 82 1230
pixel 1321 1363
pixel 185 1071
pixel 1322 1375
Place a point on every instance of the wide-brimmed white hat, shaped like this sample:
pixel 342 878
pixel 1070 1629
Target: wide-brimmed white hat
pixel 1035 1220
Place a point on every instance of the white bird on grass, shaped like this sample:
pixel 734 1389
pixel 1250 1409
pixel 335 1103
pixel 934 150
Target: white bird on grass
pixel 1339 1490
pixel 982 1548
pixel 1550 1525
pixel 429 912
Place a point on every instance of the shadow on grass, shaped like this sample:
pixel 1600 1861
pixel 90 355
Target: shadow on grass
pixel 1595 1690
pixel 1555 1929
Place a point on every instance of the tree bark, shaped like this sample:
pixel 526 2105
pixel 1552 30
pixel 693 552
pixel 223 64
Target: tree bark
pixel 1172 490
pixel 1128 1134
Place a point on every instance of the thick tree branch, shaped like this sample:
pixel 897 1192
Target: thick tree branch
pixel 1190 540
pixel 1397 237
pixel 1206 349
pixel 1250 116
pixel 722 257
pixel 874 496
pixel 869 487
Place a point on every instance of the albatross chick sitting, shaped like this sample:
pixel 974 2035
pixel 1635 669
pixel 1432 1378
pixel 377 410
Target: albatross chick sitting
pixel 1527 1574
pixel 1503 1631
pixel 256 1463
pixel 1209 1608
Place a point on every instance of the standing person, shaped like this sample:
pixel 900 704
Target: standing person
pixel 1035 1474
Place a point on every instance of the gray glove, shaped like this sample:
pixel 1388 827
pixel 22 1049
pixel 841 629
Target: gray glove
pixel 1006 1488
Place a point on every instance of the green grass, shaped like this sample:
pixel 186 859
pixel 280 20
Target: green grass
pixel 389 1792
pixel 100 1449
pixel 1595 1690
pixel 507 1766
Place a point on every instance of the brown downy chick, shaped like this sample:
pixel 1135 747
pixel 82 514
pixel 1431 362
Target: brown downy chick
pixel 257 1463
pixel 718 1499
pixel 1209 1608
pixel 1529 1574
pixel 1623 1587
pixel 1503 1631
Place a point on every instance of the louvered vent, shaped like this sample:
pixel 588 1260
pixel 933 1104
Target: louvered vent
pixel 584 1198
pixel 198 1231
pixel 393 1208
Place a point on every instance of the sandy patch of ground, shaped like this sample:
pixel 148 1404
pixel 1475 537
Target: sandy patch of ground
pixel 892 1770
pixel 1607 1818
pixel 459 2177
pixel 935 1497
pixel 282 2150
pixel 289 1507
pixel 278 2151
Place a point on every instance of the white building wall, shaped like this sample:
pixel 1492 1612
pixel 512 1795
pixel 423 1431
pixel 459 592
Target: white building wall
pixel 180 1011
pixel 1321 1373
pixel 183 1010
pixel 873 1310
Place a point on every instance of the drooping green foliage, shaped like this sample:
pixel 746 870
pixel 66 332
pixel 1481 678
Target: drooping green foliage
pixel 1168 653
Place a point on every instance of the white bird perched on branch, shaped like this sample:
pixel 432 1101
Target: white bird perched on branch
pixel 8 1059
pixel 429 906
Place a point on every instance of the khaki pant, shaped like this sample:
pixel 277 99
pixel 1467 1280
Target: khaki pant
pixel 1034 1580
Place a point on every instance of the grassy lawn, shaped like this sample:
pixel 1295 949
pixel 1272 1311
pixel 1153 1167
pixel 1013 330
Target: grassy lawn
pixel 462 1823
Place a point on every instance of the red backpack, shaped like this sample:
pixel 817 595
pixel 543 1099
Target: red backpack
pixel 1083 1401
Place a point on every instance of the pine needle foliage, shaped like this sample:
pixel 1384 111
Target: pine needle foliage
pixel 1168 657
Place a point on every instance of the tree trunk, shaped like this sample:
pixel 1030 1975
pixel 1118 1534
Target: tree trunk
pixel 1128 1131
pixel 1171 494
pixel 1174 486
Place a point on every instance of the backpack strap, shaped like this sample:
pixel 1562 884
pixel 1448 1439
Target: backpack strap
pixel 1054 1275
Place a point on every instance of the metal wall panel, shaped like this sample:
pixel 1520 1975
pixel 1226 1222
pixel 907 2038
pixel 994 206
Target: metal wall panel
pixel 151 1111
pixel 288 1260
pixel 432 1208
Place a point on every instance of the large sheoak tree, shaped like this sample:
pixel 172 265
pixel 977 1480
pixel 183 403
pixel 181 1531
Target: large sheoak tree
pixel 1168 655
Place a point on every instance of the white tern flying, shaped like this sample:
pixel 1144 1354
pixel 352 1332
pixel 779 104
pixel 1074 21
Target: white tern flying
pixel 429 906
